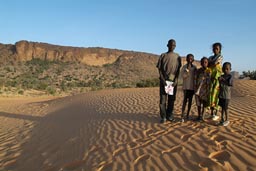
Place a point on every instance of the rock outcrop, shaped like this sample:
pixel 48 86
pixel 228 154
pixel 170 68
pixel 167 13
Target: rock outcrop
pixel 25 51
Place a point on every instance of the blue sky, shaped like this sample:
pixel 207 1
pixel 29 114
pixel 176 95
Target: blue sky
pixel 137 25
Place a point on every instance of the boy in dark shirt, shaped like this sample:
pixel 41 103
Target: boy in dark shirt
pixel 226 81
pixel 169 64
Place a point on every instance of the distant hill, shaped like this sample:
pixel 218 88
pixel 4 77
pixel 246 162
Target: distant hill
pixel 42 66
pixel 26 51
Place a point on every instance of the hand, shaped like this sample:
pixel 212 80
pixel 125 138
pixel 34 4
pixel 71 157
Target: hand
pixel 175 82
pixel 164 82
pixel 221 79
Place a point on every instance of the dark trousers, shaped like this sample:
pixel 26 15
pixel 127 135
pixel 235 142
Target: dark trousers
pixel 188 97
pixel 166 109
pixel 224 111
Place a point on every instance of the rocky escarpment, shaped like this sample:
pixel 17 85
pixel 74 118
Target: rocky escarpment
pixel 26 51
pixel 41 66
pixel 92 56
pixel 53 68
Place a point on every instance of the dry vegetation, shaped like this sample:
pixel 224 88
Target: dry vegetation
pixel 55 77
pixel 29 67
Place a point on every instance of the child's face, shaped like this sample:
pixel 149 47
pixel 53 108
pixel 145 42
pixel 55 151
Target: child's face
pixel 171 45
pixel 190 59
pixel 204 63
pixel 226 69
pixel 216 50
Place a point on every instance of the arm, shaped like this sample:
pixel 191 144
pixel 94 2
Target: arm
pixel 176 77
pixel 230 82
pixel 161 75
pixel 195 78
pixel 178 69
pixel 227 81
pixel 184 72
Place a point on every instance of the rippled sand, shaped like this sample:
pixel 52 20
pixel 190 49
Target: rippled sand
pixel 119 130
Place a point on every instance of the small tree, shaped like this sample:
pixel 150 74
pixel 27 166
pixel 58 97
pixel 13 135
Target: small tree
pixel 250 74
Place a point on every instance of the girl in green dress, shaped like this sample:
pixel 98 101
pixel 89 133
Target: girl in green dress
pixel 215 63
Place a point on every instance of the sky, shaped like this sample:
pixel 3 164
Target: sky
pixel 137 25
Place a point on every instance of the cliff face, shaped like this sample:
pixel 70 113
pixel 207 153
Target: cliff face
pixel 73 67
pixel 32 65
pixel 26 51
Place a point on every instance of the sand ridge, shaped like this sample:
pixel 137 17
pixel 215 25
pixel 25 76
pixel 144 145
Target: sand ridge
pixel 119 130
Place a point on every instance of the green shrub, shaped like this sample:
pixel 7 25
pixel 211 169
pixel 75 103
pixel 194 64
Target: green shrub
pixel 148 83
pixel 94 88
pixel 8 69
pixel 51 90
pixel 250 74
pixel 120 85
pixel 21 92
pixel 63 86
pixel 42 85
pixel 11 83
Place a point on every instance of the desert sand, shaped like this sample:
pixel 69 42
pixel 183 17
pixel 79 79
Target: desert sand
pixel 119 130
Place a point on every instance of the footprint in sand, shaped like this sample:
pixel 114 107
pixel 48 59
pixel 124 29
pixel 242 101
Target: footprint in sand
pixel 148 132
pixel 218 138
pixel 225 142
pixel 206 163
pixel 213 132
pixel 175 149
pixel 186 137
pixel 142 158
pixel 220 156
pixel 119 151
pixel 106 166
pixel 132 145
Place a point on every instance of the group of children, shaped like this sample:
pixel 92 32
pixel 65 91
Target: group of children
pixel 211 84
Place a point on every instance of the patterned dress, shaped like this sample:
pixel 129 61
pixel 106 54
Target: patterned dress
pixel 216 71
pixel 202 84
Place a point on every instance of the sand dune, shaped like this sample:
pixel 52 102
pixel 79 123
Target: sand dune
pixel 119 130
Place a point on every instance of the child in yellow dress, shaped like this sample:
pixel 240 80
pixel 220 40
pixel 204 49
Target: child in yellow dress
pixel 215 63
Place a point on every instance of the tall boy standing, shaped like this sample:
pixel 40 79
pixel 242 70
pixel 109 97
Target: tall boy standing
pixel 168 65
